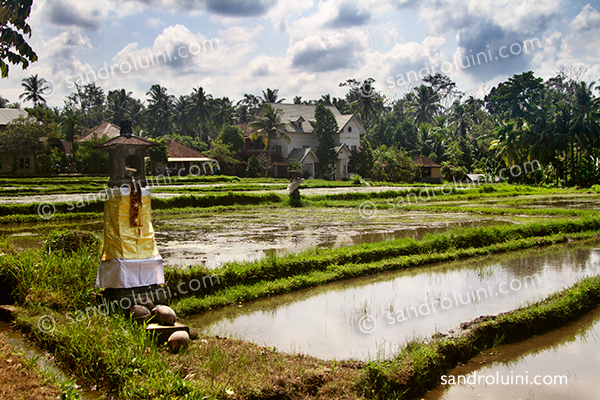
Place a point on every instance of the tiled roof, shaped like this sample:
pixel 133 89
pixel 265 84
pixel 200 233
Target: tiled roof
pixel 306 112
pixel 301 154
pixel 105 128
pixel 129 141
pixel 425 162
pixel 178 150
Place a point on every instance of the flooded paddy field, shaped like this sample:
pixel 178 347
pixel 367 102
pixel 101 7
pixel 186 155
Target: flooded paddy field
pixel 560 364
pixel 214 238
pixel 373 316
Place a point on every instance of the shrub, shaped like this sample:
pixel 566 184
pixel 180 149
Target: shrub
pixel 69 241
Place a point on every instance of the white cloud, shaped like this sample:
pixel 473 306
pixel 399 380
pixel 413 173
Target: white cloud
pixel 154 22
pixel 588 19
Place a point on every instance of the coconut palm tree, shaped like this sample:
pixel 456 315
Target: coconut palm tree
pixel 117 102
pixel 271 96
pixel 222 112
pixel 268 127
pixel 201 107
pixel 34 88
pixel 160 109
pixel 423 104
pixel 181 115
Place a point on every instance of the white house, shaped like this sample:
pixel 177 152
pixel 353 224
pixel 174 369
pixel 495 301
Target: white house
pixel 303 143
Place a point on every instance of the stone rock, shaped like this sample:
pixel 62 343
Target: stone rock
pixel 144 300
pixel 194 333
pixel 140 314
pixel 179 340
pixel 164 315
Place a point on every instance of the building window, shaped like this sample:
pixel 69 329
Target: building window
pixel 353 147
pixel 278 149
pixel 349 129
pixel 24 163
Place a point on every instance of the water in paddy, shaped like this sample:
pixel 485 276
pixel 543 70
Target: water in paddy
pixel 571 354
pixel 214 239
pixel 371 316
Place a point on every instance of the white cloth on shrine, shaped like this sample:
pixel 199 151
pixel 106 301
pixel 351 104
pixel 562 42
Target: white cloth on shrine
pixel 118 273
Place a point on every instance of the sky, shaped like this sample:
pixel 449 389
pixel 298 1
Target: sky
pixel 302 47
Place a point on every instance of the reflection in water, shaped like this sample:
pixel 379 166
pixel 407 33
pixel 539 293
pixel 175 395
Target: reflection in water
pixel 218 238
pixel 571 354
pixel 326 321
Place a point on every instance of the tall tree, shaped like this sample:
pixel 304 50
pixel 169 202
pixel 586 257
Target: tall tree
pixel 271 96
pixel 324 128
pixel 117 104
pixel 34 88
pixel 222 112
pixel 181 114
pixel 201 108
pixel 269 127
pixel 13 47
pixel 363 99
pixel 160 110
pixel 423 104
pixel 88 102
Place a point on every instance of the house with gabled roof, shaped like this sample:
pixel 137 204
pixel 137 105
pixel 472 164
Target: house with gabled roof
pixel 25 163
pixel 182 158
pixel 297 126
pixel 106 128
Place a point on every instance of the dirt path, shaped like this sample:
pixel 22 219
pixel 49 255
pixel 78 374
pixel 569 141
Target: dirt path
pixel 17 381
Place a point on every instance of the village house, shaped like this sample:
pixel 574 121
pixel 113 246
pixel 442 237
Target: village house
pixel 303 143
pixel 430 171
pixel 25 162
pixel 181 158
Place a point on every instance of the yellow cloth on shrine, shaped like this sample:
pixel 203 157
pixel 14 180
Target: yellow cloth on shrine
pixel 121 240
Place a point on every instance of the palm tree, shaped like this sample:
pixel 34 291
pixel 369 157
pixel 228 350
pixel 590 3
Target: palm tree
pixel 34 88
pixel 4 102
pixel 70 126
pixel 459 118
pixel 160 105
pixel 201 107
pixel 269 127
pixel 582 121
pixel 137 114
pixel 270 96
pixel 542 138
pixel 222 112
pixel 117 102
pixel 423 104
pixel 363 99
pixel 181 115
pixel 509 142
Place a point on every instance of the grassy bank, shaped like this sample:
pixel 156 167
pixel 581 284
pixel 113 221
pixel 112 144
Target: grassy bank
pixel 418 366
pixel 119 357
pixel 251 280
